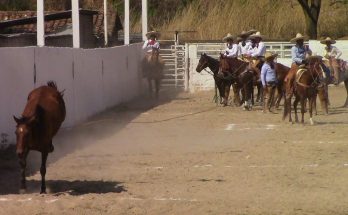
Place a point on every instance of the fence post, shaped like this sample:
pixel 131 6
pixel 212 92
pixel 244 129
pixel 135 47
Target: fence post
pixel 187 67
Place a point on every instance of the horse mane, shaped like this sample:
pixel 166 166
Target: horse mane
pixel 53 85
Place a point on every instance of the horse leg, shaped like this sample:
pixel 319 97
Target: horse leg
pixel 303 109
pixel 315 104
pixel 43 171
pixel 323 101
pixel 279 96
pixel 23 165
pixel 150 86
pixel 295 108
pixel 346 85
pixel 311 102
pixel 157 85
pixel 227 93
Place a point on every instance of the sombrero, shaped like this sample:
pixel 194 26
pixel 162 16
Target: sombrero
pixel 299 36
pixel 269 55
pixel 328 39
pixel 256 35
pixel 228 37
pixel 153 33
pixel 247 33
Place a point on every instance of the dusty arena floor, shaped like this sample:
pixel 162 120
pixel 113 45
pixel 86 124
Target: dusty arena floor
pixel 183 155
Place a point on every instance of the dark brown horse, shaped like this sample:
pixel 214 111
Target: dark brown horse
pixel 237 71
pixel 206 61
pixel 40 121
pixel 307 82
pixel 153 70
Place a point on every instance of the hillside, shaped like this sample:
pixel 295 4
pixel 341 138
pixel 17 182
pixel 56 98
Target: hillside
pixel 212 19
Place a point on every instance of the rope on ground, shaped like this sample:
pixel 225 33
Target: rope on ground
pixel 173 118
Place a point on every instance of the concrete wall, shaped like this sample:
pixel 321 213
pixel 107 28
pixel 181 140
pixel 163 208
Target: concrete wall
pixel 204 81
pixel 93 80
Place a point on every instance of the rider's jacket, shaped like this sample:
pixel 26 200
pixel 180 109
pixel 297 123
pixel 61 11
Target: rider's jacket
pixel 332 52
pixel 298 53
pixel 150 44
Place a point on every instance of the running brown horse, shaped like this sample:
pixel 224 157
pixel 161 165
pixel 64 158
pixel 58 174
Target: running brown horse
pixel 237 71
pixel 41 119
pixel 306 84
pixel 153 70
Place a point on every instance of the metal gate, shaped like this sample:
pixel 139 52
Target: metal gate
pixel 176 67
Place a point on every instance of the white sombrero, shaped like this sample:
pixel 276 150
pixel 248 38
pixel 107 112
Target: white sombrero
pixel 269 55
pixel 228 37
pixel 247 33
pixel 328 39
pixel 299 36
pixel 256 35
pixel 153 33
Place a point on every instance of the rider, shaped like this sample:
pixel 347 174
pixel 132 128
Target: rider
pixel 231 50
pixel 269 80
pixel 150 45
pixel 244 42
pixel 151 42
pixel 299 53
pixel 257 52
pixel 332 54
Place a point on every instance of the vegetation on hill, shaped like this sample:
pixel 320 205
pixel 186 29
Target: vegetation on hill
pixel 212 19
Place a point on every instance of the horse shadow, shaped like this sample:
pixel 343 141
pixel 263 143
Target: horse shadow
pixel 73 188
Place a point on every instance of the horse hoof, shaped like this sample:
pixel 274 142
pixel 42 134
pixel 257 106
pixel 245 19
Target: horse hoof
pixel 43 192
pixel 22 191
pixel 311 121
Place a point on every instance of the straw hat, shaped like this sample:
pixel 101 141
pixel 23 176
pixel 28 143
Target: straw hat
pixel 328 39
pixel 153 33
pixel 299 36
pixel 247 33
pixel 256 35
pixel 228 37
pixel 270 55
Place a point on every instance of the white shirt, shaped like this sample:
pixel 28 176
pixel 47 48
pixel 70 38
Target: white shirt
pixel 150 44
pixel 333 52
pixel 259 50
pixel 231 51
pixel 244 49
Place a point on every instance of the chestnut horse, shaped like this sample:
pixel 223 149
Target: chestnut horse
pixel 281 72
pixel 237 71
pixel 153 70
pixel 40 121
pixel 307 82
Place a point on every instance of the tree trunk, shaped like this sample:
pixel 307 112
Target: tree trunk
pixel 311 11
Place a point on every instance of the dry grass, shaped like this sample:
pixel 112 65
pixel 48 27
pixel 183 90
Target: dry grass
pixel 276 19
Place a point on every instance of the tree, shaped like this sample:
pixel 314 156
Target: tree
pixel 311 9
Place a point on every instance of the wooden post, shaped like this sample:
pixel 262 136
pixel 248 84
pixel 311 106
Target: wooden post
pixel 40 23
pixel 75 23
pixel 144 19
pixel 126 22
pixel 106 39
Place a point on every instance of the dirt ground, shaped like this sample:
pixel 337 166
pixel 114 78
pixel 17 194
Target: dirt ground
pixel 183 155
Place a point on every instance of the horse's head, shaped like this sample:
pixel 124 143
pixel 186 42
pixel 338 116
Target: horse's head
pixel 153 58
pixel 313 65
pixel 23 133
pixel 202 63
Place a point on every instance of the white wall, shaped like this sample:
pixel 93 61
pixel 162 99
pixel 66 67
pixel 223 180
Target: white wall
pixel 93 80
